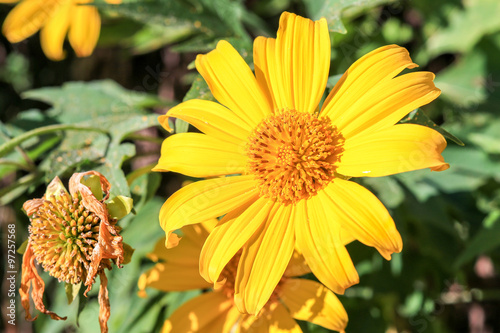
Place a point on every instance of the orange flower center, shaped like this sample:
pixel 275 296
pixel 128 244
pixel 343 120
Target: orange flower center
pixel 63 234
pixel 294 155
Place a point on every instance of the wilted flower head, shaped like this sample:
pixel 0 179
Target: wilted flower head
pixel 74 237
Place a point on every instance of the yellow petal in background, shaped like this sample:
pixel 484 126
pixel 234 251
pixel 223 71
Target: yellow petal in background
pixel 362 215
pixel 297 265
pixel 264 259
pixel 199 155
pixel 281 321
pixel 311 301
pixel 399 148
pixel 198 313
pixel 28 17
pixel 318 239
pixel 54 32
pixel 233 84
pixel 84 29
pixel 172 277
pixel 211 118
pixel 204 200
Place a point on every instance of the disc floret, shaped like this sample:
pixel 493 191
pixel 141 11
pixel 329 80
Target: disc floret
pixel 294 155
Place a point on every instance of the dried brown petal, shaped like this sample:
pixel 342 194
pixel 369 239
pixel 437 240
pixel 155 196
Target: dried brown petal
pixel 109 244
pixel 104 307
pixel 30 278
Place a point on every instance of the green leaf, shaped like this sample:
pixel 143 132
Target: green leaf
pixel 128 251
pixel 23 247
pixel 76 102
pixel 420 118
pixel 464 82
pixel 111 168
pixel 332 10
pixel 153 37
pixel 332 80
pixel 488 138
pixel 466 27
pixel 93 182
pixel 120 206
pixel 487 239
pixel 72 291
pixel 199 90
pixel 200 17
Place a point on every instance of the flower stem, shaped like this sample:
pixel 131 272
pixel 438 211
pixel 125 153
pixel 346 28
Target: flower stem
pixel 14 142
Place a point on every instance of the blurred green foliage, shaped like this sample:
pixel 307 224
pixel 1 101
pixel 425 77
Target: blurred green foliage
pixel 450 221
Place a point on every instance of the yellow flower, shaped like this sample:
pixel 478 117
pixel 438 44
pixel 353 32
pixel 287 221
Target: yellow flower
pixel 287 163
pixel 215 311
pixel 74 237
pixel 55 19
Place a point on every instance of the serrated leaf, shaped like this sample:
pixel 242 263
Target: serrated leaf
pixel 464 82
pixel 173 12
pixel 76 102
pixel 466 27
pixel 111 168
pixel 62 161
pixel 332 10
pixel 420 118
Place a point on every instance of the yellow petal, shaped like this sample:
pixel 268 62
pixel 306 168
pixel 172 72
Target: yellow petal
pixel 230 235
pixel 9 1
pixel 397 149
pixel 318 239
pixel 281 321
pixel 233 84
pixel 367 97
pixel 27 18
pixel 226 323
pixel 186 253
pixel 297 265
pixel 274 318
pixel 303 48
pixel 211 118
pixel 84 30
pixel 54 32
pixel 198 313
pixel 309 300
pixel 199 155
pixel 264 259
pixel 362 215
pixel 204 200
pixel 172 277
pixel 198 233
pixel 388 102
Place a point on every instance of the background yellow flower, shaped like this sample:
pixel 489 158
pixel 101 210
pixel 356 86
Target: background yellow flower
pixel 215 311
pixel 55 19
